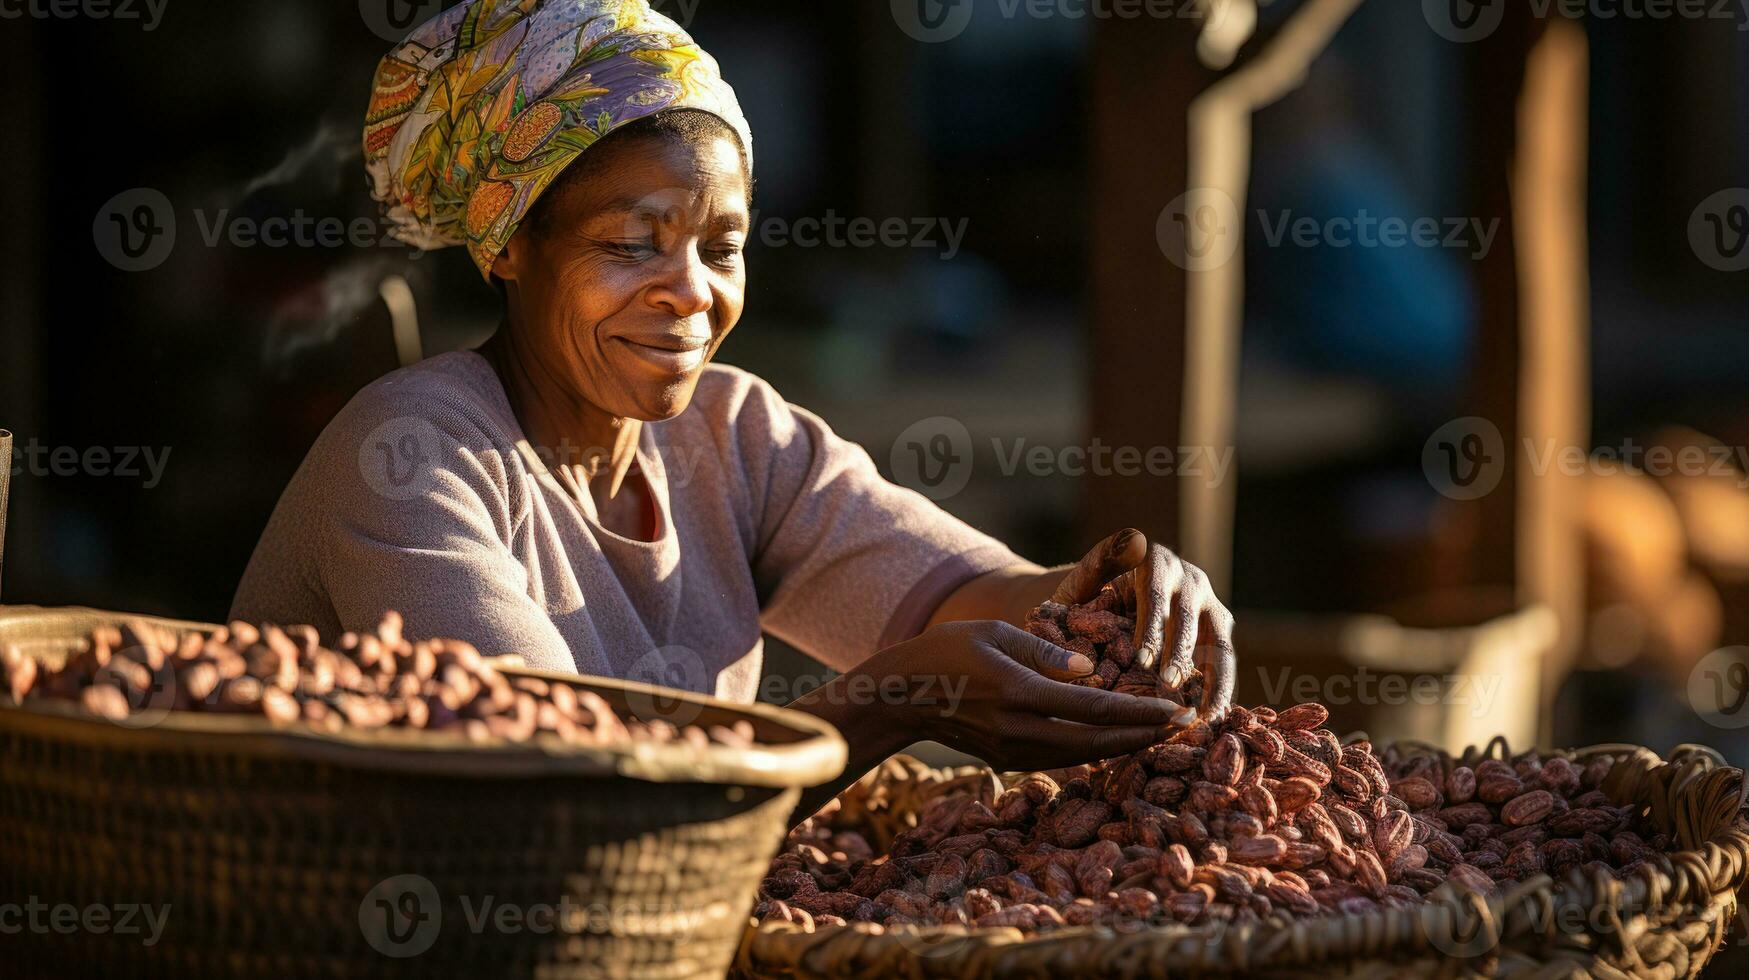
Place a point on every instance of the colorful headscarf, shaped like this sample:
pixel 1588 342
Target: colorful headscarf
pixel 474 114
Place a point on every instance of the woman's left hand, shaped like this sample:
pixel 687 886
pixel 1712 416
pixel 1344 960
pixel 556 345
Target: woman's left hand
pixel 1164 590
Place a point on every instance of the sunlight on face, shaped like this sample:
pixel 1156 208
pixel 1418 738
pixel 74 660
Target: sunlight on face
pixel 637 275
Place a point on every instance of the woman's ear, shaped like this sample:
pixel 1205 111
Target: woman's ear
pixel 508 265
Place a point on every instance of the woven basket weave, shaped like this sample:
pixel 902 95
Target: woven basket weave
pixel 387 853
pixel 1662 922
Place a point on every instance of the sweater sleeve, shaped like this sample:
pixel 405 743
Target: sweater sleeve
pixel 845 562
pixel 420 513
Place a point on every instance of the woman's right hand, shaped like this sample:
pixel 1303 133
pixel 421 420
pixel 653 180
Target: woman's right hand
pixel 995 691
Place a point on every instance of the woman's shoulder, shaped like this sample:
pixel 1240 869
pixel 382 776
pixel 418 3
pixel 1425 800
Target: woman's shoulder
pixel 456 394
pixel 728 395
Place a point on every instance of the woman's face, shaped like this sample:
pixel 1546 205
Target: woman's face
pixel 635 276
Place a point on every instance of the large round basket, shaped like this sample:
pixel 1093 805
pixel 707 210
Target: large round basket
pixel 1663 921
pixel 214 845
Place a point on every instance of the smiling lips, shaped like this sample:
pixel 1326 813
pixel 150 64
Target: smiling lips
pixel 673 353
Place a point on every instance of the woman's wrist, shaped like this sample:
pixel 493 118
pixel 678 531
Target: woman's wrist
pixel 1006 594
pixel 875 719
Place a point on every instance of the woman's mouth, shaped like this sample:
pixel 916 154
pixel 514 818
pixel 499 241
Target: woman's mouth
pixel 671 354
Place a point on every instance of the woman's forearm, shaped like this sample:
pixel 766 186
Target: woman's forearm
pixel 869 726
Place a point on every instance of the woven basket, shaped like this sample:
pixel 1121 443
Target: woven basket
pixel 1662 922
pixel 281 853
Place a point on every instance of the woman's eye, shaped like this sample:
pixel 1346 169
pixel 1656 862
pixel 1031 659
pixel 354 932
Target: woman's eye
pixel 632 250
pixel 726 252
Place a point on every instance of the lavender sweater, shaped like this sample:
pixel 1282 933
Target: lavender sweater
pixel 423 495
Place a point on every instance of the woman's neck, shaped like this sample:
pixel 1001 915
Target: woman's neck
pixel 567 432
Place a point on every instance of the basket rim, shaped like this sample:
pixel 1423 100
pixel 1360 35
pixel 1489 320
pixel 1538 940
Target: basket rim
pixel 816 753
pixel 1689 762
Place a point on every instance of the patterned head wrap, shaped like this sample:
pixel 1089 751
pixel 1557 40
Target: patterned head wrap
pixel 475 113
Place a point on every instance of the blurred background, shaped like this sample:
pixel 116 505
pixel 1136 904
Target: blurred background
pixel 164 366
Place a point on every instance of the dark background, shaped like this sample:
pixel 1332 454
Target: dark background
pixel 233 358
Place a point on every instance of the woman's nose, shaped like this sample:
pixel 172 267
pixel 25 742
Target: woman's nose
pixel 684 288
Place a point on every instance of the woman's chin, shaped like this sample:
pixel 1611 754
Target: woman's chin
pixel 661 401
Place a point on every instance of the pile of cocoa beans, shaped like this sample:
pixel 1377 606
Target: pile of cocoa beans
pixel 133 673
pixel 1263 814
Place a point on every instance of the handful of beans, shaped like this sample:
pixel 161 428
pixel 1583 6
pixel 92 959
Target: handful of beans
pixel 133 673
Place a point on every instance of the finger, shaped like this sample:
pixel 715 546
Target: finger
pixel 1065 743
pixel 1186 615
pixel 1092 706
pixel 1039 655
pixel 1222 667
pixel 1108 559
pixel 1158 579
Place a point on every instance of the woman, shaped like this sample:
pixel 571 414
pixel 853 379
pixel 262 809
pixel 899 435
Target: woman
pixel 587 490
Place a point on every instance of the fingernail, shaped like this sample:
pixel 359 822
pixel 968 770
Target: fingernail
pixel 1174 676
pixel 1078 664
pixel 1187 717
pixel 1165 705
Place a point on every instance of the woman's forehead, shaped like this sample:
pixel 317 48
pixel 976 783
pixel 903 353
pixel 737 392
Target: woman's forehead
pixel 661 175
